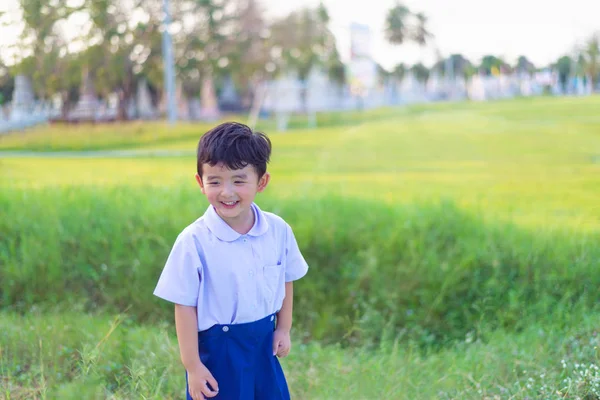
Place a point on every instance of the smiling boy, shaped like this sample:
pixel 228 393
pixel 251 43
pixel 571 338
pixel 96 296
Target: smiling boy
pixel 230 275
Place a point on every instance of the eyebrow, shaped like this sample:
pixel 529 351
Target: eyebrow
pixel 240 176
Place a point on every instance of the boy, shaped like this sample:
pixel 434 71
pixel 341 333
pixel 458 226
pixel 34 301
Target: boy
pixel 230 275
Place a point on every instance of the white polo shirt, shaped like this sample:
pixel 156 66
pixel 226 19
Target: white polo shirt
pixel 231 278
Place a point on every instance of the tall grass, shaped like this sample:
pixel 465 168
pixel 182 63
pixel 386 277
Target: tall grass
pixel 432 272
pixel 135 134
pixel 527 115
pixel 72 355
pixel 63 137
pixel 454 252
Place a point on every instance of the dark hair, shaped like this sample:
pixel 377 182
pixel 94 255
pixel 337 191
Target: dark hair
pixel 236 146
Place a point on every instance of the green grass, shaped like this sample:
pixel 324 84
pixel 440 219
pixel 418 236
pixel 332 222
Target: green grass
pixel 452 248
pixel 432 270
pixel 61 137
pixel 534 161
pixel 136 134
pixel 72 355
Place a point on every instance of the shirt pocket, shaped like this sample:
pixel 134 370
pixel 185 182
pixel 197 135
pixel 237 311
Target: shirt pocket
pixel 272 276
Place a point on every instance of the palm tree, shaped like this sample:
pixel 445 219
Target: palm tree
pixel 399 71
pixel 590 59
pixel 524 65
pixel 402 25
pixel 564 66
pixel 491 62
pixel 420 72
pixel 421 34
pixel 397 28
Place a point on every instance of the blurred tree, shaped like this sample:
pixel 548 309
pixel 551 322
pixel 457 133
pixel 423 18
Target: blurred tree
pixel 249 55
pixel 399 71
pixel 110 52
pixel 523 65
pixel 459 64
pixel 463 66
pixel 564 66
pixel 42 46
pixel 402 25
pixel 147 32
pixel 590 59
pixel 421 72
pixel 204 40
pixel 337 69
pixel 123 45
pixel 397 25
pixel 491 63
pixel 301 41
pixel 420 33
pixel 579 65
pixel 7 84
pixel 382 73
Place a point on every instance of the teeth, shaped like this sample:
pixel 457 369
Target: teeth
pixel 229 203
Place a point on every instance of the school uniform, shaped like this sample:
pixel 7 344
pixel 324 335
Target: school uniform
pixel 237 283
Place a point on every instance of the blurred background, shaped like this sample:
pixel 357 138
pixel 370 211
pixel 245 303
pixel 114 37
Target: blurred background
pixel 191 60
pixel 439 162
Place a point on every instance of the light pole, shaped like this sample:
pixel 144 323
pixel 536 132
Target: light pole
pixel 167 51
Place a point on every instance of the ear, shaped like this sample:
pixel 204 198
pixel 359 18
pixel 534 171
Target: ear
pixel 200 183
pixel 263 182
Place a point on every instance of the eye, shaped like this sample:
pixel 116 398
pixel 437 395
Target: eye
pixel 213 183
pixel 239 182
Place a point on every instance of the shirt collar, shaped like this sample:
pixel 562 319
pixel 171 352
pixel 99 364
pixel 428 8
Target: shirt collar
pixel 224 232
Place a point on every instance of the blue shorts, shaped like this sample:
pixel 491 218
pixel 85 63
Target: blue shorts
pixel 240 357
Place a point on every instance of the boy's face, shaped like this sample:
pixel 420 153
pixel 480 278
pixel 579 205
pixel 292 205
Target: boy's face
pixel 231 192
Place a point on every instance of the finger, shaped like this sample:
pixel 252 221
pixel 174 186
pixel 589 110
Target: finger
pixel 207 392
pixel 283 352
pixel 193 394
pixel 276 344
pixel 213 383
pixel 198 396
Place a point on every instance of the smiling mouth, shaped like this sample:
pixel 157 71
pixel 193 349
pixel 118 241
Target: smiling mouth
pixel 229 203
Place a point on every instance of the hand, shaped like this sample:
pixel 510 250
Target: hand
pixel 281 343
pixel 198 381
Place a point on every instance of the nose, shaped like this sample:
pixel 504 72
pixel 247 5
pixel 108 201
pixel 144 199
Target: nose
pixel 227 190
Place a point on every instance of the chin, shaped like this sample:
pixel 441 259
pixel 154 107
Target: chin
pixel 231 212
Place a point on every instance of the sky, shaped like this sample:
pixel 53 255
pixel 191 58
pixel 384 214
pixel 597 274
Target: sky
pixel 543 30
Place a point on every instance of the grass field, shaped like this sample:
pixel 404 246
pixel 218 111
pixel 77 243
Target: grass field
pixel 454 252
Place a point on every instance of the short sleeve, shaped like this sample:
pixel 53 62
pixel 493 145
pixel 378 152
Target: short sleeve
pixel 180 279
pixel 296 267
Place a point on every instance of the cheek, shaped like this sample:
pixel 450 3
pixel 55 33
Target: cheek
pixel 210 193
pixel 246 191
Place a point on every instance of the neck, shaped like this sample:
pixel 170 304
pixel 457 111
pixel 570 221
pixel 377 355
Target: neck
pixel 243 223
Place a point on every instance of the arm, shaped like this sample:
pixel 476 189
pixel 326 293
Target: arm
pixel 186 323
pixel 295 268
pixel 281 338
pixel 284 316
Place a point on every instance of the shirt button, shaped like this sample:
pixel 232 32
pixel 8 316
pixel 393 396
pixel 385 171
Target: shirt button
pixel 245 240
pixel 251 273
pixel 225 328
